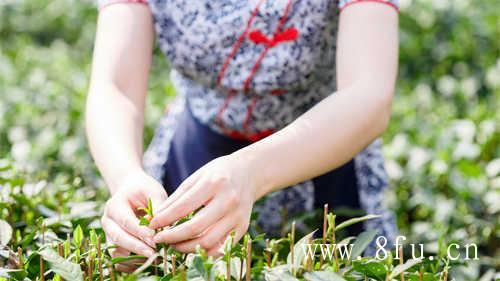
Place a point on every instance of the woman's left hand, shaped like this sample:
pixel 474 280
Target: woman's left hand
pixel 226 190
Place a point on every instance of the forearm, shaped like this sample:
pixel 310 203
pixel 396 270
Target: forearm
pixel 340 126
pixel 324 138
pixel 118 86
pixel 114 127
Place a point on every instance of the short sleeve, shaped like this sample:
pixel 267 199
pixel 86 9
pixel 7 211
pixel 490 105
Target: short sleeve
pixel 392 3
pixel 103 3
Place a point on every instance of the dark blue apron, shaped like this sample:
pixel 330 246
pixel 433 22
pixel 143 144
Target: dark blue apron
pixel 194 144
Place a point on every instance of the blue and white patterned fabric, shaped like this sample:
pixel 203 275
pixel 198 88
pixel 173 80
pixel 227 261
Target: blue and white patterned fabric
pixel 246 69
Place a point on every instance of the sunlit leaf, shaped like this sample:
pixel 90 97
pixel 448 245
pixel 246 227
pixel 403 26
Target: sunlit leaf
pixel 61 266
pixel 5 233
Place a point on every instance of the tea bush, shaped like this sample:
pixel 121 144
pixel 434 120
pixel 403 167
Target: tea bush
pixel 442 146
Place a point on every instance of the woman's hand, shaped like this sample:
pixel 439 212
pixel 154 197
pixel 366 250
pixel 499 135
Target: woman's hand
pixel 120 222
pixel 225 189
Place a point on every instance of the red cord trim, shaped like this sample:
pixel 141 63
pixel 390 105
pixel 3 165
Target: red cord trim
pixel 223 108
pixel 258 37
pixel 237 44
pixel 390 4
pixel 250 109
pixel 277 92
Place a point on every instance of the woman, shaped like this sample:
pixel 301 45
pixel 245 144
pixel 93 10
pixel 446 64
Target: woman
pixel 270 94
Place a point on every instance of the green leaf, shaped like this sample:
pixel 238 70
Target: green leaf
pixel 150 207
pixel 299 252
pixel 78 237
pixel 93 237
pixel 371 268
pixel 403 267
pixel 279 273
pixel 5 233
pixel 125 259
pixel 323 276
pixel 143 221
pixel 15 274
pixel 65 268
pixel 362 242
pixel 355 220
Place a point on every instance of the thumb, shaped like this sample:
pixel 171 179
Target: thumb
pixel 158 196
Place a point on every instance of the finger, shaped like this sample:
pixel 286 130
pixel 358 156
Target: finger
pixel 120 237
pixel 185 185
pixel 194 198
pixel 158 197
pixel 125 217
pixel 210 239
pixel 216 250
pixel 191 229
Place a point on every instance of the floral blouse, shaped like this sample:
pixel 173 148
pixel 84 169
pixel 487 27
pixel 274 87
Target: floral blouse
pixel 249 68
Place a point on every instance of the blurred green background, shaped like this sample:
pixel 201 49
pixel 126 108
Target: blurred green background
pixel 442 147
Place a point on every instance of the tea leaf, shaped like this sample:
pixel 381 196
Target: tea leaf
pixel 65 268
pixel 78 237
pixel 5 233
pixel 355 220
pixel 125 259
pixel 371 268
pixel 362 242
pixel 299 252
pixel 403 267
pixel 279 273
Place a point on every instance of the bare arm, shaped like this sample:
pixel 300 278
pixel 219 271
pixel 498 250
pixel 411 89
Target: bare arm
pixel 114 123
pixel 323 138
pixel 336 129
pixel 115 104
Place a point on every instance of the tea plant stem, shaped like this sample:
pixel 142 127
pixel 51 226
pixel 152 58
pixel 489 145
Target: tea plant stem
pixel 325 225
pixel 248 274
pixel 174 269
pixel 268 254
pixel 67 248
pixel 42 270
pixel 91 268
pixel 99 258
pixel 155 266
pixel 401 261
pixel 43 233
pixel 292 245
pixel 20 256
pixel 111 273
pixel 334 241
pixel 60 250
pixel 165 262
pixel 309 260
pixel 228 269
pixel 183 273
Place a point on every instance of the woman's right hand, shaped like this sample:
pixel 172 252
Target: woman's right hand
pixel 120 221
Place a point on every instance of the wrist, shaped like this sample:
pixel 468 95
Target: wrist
pixel 126 178
pixel 256 170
